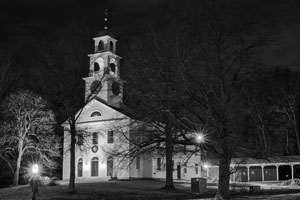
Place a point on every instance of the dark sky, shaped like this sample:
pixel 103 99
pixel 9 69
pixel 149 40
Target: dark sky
pixel 23 22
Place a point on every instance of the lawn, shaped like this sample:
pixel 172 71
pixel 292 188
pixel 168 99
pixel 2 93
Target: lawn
pixel 134 189
pixel 106 190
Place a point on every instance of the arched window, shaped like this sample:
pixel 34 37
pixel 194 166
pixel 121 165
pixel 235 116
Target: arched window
pixel 79 167
pixel 110 166
pixel 95 87
pixel 100 46
pixel 95 165
pixel 96 114
pixel 111 46
pixel 112 67
pixel 96 67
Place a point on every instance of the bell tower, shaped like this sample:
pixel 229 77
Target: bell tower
pixel 104 77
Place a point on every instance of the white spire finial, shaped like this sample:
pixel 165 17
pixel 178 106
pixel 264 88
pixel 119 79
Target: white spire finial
pixel 105 19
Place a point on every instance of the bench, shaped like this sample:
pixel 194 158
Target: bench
pixel 254 188
pixel 250 188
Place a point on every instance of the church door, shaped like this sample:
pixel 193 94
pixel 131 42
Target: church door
pixel 110 166
pixel 95 165
pixel 79 168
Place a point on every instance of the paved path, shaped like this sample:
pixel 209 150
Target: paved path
pixel 294 196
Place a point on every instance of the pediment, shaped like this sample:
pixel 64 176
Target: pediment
pixel 96 111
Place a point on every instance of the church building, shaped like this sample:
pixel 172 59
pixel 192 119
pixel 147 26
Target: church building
pixel 99 125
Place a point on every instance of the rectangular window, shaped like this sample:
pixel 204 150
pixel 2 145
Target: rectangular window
pixel 196 169
pixel 158 163
pixel 110 137
pixel 138 160
pixel 80 139
pixel 185 169
pixel 173 165
pixel 95 138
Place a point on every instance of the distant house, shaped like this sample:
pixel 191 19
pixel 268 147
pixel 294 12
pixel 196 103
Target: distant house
pixel 100 121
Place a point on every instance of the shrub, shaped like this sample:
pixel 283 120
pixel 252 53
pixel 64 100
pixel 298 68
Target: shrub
pixel 47 181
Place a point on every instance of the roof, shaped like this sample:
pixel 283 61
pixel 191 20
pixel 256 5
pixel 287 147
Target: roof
pixel 123 108
pixel 281 159
pixel 260 161
pixel 104 32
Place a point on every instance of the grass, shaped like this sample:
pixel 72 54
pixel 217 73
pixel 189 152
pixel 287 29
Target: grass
pixel 130 190
pixel 106 190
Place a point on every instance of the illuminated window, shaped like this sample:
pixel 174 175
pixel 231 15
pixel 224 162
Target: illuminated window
pixel 96 114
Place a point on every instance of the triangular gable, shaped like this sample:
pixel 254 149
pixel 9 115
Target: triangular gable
pixel 107 112
pixel 96 105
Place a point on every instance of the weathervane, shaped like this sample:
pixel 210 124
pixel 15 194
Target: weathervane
pixel 105 19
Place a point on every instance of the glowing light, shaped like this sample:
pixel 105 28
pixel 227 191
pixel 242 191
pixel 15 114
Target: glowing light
pixel 200 138
pixel 206 166
pixel 35 168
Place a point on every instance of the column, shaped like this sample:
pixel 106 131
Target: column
pixel 277 173
pixel 292 166
pixel 262 173
pixel 248 171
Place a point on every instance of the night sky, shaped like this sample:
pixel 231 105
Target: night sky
pixel 24 22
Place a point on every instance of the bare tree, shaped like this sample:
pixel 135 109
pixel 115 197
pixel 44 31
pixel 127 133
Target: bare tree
pixel 287 91
pixel 203 57
pixel 62 63
pixel 9 72
pixel 27 130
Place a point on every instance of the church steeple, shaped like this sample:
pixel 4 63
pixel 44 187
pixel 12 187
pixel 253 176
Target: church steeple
pixel 104 77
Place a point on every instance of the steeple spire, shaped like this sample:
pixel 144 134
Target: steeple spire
pixel 106 19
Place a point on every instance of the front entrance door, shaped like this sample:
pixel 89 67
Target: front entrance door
pixel 110 166
pixel 79 168
pixel 95 166
pixel 178 171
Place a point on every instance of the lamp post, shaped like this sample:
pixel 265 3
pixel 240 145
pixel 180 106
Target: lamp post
pixel 200 138
pixel 34 180
pixel 206 166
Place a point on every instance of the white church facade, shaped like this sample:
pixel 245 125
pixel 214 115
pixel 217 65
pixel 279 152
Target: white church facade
pixel 98 121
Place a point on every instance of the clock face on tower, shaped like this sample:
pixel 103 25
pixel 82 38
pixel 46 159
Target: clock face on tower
pixel 115 88
pixel 95 87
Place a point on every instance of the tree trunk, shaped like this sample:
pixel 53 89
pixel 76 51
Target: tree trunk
pixel 223 192
pixel 169 162
pixel 297 135
pixel 264 139
pixel 16 173
pixel 72 156
pixel 19 159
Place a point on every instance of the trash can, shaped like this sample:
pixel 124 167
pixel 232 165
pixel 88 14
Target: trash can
pixel 198 185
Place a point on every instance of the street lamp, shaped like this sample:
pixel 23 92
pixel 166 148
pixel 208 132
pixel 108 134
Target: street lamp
pixel 200 139
pixel 35 169
pixel 34 180
pixel 206 166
